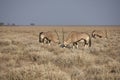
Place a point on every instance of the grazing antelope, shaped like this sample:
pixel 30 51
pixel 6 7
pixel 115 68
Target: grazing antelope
pixel 42 38
pixel 48 37
pixel 75 37
pixel 99 33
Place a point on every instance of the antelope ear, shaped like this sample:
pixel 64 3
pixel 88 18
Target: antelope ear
pixel 59 43
pixel 62 45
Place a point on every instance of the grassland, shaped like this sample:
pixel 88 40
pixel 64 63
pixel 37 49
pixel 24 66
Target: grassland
pixel 22 57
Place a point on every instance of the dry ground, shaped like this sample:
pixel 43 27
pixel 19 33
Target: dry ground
pixel 22 57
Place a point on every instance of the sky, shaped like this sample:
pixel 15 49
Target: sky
pixel 60 12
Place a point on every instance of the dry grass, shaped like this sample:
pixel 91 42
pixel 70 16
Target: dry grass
pixel 22 57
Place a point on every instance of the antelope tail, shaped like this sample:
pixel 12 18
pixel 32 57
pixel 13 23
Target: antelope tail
pixel 89 41
pixel 93 34
pixel 40 37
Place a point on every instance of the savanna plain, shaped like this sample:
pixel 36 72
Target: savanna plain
pixel 22 57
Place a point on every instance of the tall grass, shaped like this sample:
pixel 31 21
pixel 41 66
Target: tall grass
pixel 22 57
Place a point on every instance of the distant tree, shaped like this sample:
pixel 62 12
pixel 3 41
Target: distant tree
pixel 1 23
pixel 8 24
pixel 32 24
pixel 13 24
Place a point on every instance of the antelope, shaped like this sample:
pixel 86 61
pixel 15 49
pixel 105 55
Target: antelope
pixel 74 37
pixel 99 33
pixel 48 37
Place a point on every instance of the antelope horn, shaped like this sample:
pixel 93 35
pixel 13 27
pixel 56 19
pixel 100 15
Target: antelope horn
pixel 57 35
pixel 62 36
pixel 106 34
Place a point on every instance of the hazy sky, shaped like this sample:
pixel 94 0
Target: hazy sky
pixel 60 12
